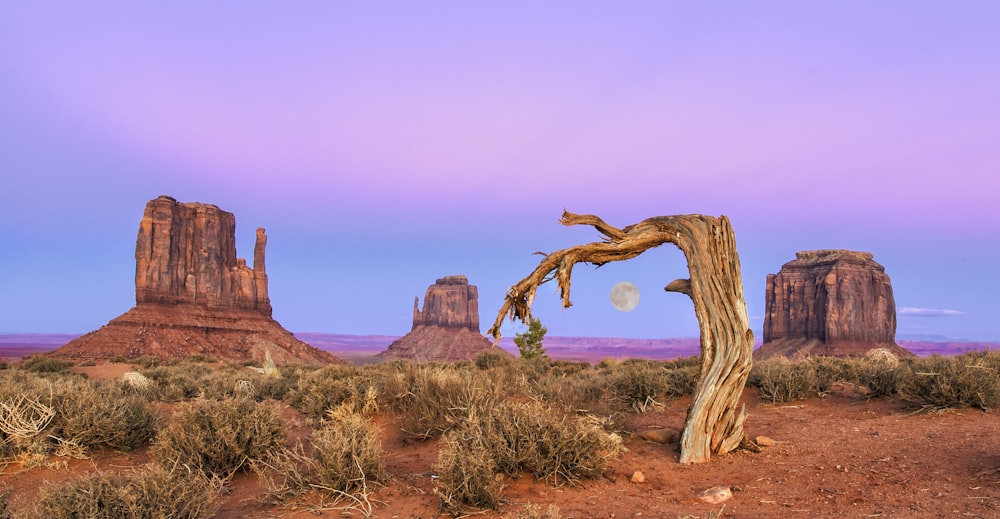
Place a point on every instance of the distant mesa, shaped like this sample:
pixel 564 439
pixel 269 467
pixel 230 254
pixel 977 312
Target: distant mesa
pixel 194 296
pixel 835 303
pixel 447 328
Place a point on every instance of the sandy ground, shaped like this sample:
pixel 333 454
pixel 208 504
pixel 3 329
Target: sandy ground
pixel 837 456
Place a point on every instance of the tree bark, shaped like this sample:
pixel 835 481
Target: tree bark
pixel 714 422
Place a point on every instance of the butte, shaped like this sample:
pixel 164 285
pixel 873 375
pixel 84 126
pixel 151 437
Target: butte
pixel 834 303
pixel 448 327
pixel 193 296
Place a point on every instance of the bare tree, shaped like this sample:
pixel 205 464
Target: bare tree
pixel 714 423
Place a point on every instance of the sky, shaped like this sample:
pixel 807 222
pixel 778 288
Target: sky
pixel 386 144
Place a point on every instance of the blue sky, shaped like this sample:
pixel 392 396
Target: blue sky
pixel 384 145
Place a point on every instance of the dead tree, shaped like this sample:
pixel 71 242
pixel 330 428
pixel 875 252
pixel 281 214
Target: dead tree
pixel 714 423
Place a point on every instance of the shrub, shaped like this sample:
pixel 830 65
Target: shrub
pixel 218 437
pixel 879 373
pixel 682 380
pixel 639 384
pixel 177 382
pixel 938 383
pixel 439 398
pixel 492 359
pixel 515 437
pixel 467 472
pixel 829 371
pixel 529 343
pixel 152 492
pixel 44 364
pixel 89 416
pixel 320 390
pixel 348 452
pixel 781 380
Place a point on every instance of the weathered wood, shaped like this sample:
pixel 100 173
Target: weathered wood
pixel 714 423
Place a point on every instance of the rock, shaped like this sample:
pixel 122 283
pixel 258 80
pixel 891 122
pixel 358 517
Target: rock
pixel 447 328
pixel 451 302
pixel 194 296
pixel 638 477
pixel 716 495
pixel 829 302
pixel 659 435
pixel 186 253
pixel 764 441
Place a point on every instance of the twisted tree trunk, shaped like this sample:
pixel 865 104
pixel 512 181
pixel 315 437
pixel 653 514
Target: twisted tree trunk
pixel 714 424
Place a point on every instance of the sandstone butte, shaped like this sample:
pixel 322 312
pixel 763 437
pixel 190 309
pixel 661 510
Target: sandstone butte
pixel 835 303
pixel 447 328
pixel 194 296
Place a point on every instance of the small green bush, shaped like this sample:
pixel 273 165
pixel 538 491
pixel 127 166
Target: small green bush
pixel 781 380
pixel 44 364
pixel 218 437
pixel 152 492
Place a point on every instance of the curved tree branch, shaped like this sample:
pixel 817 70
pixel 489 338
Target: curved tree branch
pixel 715 287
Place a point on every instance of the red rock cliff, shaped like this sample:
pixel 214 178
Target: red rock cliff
pixel 829 302
pixel 447 328
pixel 194 296
pixel 186 253
pixel 451 302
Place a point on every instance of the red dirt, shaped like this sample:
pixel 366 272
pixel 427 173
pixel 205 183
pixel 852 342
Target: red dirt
pixel 838 456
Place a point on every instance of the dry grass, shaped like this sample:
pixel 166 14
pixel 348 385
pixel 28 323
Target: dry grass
pixel 781 380
pixel 938 383
pixel 512 438
pixel 219 437
pixel 153 492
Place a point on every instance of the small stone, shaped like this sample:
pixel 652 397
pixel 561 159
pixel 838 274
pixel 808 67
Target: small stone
pixel 765 441
pixel 659 435
pixel 638 477
pixel 716 495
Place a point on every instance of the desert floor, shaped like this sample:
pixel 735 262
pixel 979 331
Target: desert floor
pixel 836 456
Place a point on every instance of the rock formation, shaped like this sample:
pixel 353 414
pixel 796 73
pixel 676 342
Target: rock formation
pixel 829 302
pixel 194 296
pixel 447 328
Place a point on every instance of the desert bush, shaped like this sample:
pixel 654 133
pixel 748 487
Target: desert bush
pixel 152 492
pixel 348 452
pixel 467 472
pixel 320 390
pixel 879 373
pixel 781 380
pixel 681 380
pixel 218 437
pixel 44 364
pixel 441 397
pixel 493 358
pixel 829 371
pixel 937 383
pixel 177 382
pixel 639 384
pixel 90 416
pixel 515 437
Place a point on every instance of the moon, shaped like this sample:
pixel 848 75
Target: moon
pixel 625 296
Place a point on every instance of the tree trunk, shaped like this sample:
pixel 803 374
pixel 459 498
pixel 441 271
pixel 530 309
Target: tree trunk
pixel 714 423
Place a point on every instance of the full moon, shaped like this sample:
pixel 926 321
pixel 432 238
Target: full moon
pixel 625 296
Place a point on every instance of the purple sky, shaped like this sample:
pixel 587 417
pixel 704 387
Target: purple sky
pixel 386 144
